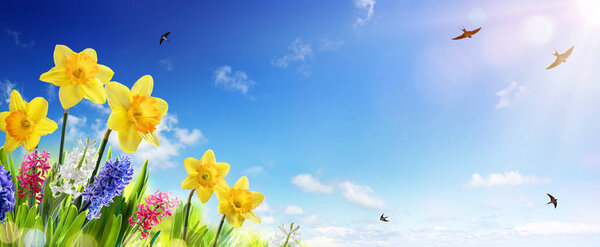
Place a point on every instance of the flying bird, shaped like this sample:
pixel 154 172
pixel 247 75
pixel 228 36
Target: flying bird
pixel 383 218
pixel 552 200
pixel 467 34
pixel 164 37
pixel 561 58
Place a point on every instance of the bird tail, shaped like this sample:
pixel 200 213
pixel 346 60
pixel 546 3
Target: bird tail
pixel 556 53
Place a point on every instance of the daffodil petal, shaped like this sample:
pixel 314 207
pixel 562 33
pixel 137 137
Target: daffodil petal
pixel 235 219
pixel 94 91
pixel 118 95
pixel 143 86
pixel 117 120
pixel 92 53
pixel 56 76
pixel 150 138
pixel 242 183
pixel 38 108
pixel 204 194
pixel 129 140
pixel 225 208
pixel 223 168
pixel 222 190
pixel 32 142
pixel 61 54
pixel 104 74
pixel 16 102
pixel 10 144
pixel 162 106
pixel 70 95
pixel 45 126
pixel 3 116
pixel 208 157
pixel 191 165
pixel 189 183
pixel 251 216
pixel 258 199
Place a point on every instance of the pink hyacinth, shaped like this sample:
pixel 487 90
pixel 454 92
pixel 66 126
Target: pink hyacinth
pixel 151 213
pixel 33 172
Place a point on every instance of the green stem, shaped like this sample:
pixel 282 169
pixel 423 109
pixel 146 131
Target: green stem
pixel 100 153
pixel 131 234
pixel 187 214
pixel 218 231
pixel 287 240
pixel 62 136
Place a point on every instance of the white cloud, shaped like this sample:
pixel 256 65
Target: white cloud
pixel 166 63
pixel 6 87
pixel 103 108
pixel 369 6
pixel 51 92
pixel 300 52
pixel 264 208
pixel 526 201
pixel 233 81
pixel 307 183
pixel 188 137
pixel 268 220
pixel 17 38
pixel 509 94
pixel 362 196
pixel 293 210
pixel 508 178
pixel 554 228
pixel 76 128
pixel 255 170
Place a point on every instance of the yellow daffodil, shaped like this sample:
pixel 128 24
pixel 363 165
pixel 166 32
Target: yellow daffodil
pixel 78 75
pixel 237 203
pixel 135 114
pixel 25 122
pixel 204 175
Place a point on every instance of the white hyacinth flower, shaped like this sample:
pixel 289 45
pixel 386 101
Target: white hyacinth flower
pixel 292 236
pixel 76 170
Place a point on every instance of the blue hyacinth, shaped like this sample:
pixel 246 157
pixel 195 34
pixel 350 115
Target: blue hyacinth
pixel 7 193
pixel 110 182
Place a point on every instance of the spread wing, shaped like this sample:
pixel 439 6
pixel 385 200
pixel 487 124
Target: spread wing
pixel 475 31
pixel 161 40
pixel 381 217
pixel 166 34
pixel 568 53
pixel 556 63
pixel 460 37
pixel 555 203
pixel 551 197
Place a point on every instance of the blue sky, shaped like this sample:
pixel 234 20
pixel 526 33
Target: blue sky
pixel 338 111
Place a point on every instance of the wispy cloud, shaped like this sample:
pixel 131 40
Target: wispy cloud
pixel 166 63
pixel 361 195
pixel 555 227
pixel 509 94
pixel 190 137
pixel 307 183
pixel 369 6
pixel 17 38
pixel 50 92
pixel 76 128
pixel 264 208
pixel 330 45
pixel 508 178
pixel 293 210
pixel 301 51
pixel 233 81
pixel 6 88
pixel 102 108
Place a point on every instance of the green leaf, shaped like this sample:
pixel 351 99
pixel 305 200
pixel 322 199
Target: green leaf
pixel 154 238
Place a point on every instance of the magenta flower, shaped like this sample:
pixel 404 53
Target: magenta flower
pixel 151 213
pixel 33 172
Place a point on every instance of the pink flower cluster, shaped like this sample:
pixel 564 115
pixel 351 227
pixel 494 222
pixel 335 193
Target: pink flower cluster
pixel 33 172
pixel 157 207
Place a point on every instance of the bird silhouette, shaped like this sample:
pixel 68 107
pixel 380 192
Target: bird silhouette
pixel 552 200
pixel 561 58
pixel 467 34
pixel 164 37
pixel 383 218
